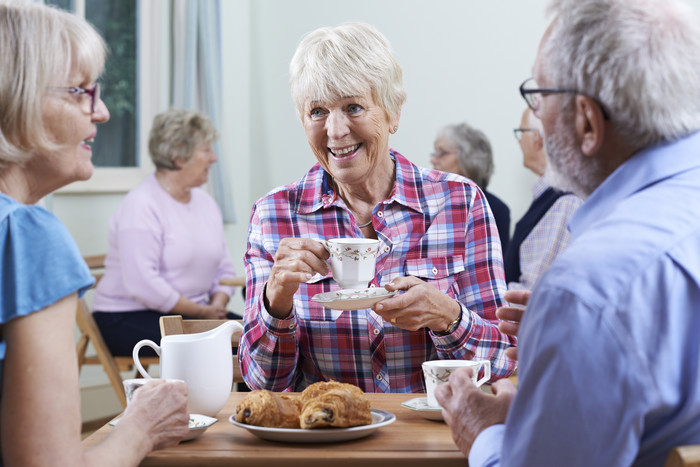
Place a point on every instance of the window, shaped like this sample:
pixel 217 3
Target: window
pixel 136 32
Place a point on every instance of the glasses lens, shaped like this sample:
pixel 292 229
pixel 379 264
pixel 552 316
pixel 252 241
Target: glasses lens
pixel 518 133
pixel 95 96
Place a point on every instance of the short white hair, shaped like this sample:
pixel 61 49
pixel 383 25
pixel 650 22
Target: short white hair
pixel 346 60
pixel 640 59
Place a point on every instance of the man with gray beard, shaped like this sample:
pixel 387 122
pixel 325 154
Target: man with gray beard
pixel 609 345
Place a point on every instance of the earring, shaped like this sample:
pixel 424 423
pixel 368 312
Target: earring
pixel 396 128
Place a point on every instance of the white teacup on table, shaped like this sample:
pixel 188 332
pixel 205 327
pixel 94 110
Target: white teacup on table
pixel 352 260
pixel 437 372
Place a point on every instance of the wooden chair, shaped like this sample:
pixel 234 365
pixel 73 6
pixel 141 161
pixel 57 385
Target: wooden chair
pixel 684 456
pixel 174 324
pixel 90 333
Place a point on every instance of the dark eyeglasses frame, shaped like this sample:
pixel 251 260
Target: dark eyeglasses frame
pixel 518 132
pixel 528 96
pixel 94 93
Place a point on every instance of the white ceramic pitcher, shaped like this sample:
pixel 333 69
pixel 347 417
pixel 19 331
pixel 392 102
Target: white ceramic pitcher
pixel 203 360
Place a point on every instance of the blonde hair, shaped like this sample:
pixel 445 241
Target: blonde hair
pixel 40 46
pixel 346 60
pixel 176 133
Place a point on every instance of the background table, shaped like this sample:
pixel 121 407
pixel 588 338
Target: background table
pixel 410 441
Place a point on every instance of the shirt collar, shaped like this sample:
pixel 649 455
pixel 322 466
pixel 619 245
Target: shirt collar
pixel 645 168
pixel 318 190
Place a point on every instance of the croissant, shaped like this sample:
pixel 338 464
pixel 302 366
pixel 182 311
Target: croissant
pixel 338 407
pixel 316 389
pixel 269 409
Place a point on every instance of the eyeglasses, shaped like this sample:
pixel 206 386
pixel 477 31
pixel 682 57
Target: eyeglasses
pixel 439 154
pixel 518 132
pixel 533 95
pixel 94 93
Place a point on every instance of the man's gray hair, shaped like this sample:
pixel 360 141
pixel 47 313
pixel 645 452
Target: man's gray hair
pixel 640 59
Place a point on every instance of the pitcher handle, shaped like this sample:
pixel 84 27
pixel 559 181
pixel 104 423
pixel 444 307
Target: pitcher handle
pixel 486 364
pixel 135 355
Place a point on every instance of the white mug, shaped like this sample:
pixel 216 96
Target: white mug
pixel 204 361
pixel 437 372
pixel 131 385
pixel 352 260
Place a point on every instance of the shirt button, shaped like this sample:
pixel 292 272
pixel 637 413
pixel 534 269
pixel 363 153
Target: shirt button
pixel 386 249
pixel 375 331
pixel 291 326
pixel 379 377
pixel 371 286
pixel 435 271
pixel 380 214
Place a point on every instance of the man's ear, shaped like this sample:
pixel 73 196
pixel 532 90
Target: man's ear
pixel 589 124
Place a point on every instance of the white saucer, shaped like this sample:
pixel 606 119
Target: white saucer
pixel 352 299
pixel 198 425
pixel 420 405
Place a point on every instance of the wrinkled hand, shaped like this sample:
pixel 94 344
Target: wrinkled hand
pixel 511 316
pixel 296 261
pixel 468 410
pixel 160 408
pixel 420 306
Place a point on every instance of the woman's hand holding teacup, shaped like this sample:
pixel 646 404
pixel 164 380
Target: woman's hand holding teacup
pixel 296 261
pixel 162 407
pixel 420 306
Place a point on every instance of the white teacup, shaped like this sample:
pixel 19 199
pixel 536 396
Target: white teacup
pixel 437 372
pixel 131 385
pixel 352 260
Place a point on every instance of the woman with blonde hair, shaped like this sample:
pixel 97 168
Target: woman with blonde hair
pixel 49 108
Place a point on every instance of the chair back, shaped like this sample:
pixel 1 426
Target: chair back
pixel 90 333
pixel 174 324
pixel 684 456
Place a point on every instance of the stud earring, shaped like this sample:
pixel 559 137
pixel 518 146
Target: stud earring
pixel 396 129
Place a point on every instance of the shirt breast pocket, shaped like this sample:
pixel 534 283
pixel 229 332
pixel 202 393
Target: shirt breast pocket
pixel 439 272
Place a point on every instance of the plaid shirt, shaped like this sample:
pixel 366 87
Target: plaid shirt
pixel 434 226
pixel 548 238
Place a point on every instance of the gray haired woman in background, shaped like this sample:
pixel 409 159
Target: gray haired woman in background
pixel 464 150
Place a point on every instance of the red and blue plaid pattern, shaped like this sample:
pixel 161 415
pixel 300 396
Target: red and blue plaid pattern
pixel 434 226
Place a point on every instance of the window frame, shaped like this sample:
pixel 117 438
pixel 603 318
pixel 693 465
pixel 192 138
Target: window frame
pixel 153 95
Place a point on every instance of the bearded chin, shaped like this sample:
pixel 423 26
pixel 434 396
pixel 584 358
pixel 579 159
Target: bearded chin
pixel 568 169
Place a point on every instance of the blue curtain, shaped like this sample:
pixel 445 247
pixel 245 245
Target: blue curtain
pixel 197 79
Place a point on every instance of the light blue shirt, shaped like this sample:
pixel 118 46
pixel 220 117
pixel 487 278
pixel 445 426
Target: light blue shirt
pixel 610 343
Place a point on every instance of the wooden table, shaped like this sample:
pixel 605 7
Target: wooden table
pixel 410 441
pixel 235 281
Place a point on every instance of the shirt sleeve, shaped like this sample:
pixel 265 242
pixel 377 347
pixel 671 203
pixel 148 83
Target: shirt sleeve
pixel 480 292
pixel 41 263
pixel 268 350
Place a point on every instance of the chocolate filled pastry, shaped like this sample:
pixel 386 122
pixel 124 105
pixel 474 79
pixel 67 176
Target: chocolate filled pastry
pixel 338 407
pixel 269 409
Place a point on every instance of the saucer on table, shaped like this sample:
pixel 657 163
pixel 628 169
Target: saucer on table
pixel 352 299
pixel 420 405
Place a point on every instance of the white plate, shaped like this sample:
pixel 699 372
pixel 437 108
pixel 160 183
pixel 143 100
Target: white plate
pixel 198 425
pixel 380 418
pixel 420 405
pixel 352 299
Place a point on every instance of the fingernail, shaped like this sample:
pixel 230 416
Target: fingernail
pixel 379 307
pixel 308 276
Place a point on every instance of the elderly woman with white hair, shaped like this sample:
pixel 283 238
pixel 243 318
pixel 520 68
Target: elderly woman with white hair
pixel 465 150
pixel 49 108
pixel 167 249
pixel 438 241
